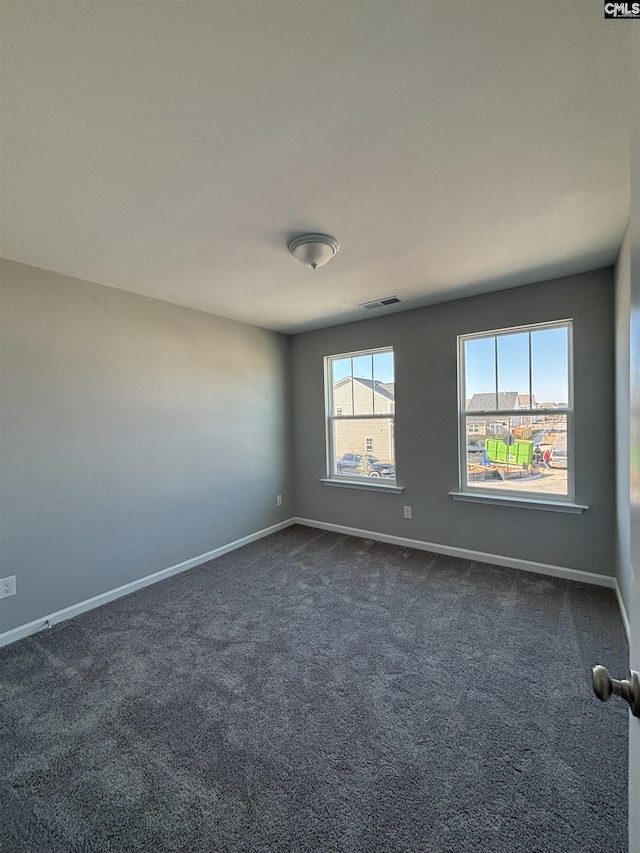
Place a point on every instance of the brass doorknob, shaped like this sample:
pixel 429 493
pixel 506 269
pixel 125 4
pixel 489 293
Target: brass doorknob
pixel 604 687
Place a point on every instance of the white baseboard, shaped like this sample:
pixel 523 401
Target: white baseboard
pixel 623 612
pixel 104 597
pixel 466 554
pixel 450 550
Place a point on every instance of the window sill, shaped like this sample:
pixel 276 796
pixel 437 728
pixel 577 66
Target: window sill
pixel 367 487
pixel 521 503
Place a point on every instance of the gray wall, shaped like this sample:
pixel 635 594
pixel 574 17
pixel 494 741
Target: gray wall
pixel 135 435
pixel 425 346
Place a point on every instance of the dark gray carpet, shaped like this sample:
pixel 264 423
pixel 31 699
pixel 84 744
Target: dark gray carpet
pixel 318 692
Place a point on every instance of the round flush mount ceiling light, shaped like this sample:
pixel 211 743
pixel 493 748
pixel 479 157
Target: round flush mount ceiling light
pixel 313 250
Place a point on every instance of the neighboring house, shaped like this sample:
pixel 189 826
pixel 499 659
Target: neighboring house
pixel 354 396
pixel 491 424
pixel 487 402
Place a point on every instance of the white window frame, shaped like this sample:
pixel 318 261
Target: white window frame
pixel 376 482
pixel 568 412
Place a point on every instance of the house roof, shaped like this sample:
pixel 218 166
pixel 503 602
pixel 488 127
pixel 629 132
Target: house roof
pixel 389 387
pixel 385 389
pixel 487 402
pixel 526 401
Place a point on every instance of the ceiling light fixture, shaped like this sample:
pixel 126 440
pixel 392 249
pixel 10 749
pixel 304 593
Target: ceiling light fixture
pixel 313 250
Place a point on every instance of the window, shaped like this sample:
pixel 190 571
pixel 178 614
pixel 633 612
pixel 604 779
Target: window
pixel 360 394
pixel 516 412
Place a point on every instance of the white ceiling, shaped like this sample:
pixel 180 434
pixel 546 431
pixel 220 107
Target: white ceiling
pixel 451 146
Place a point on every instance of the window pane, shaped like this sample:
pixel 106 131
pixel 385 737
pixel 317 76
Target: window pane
pixel 513 371
pixel 363 385
pixel 384 398
pixel 480 374
pixel 517 454
pixel 363 366
pixel 342 386
pixel 364 448
pixel 550 367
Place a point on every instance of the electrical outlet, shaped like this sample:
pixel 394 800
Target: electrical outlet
pixel 7 586
pixel 278 500
pixel 407 512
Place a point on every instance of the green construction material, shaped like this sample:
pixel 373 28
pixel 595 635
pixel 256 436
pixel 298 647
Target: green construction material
pixel 519 453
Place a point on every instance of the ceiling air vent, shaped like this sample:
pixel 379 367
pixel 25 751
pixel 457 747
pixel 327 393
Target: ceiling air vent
pixel 379 303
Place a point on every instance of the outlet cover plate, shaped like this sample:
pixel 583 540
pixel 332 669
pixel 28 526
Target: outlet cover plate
pixel 7 586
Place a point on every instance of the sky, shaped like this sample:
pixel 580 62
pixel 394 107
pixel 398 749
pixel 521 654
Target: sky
pixel 364 367
pixel 549 364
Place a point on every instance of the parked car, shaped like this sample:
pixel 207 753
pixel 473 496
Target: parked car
pixel 351 463
pixel 558 457
pixel 475 448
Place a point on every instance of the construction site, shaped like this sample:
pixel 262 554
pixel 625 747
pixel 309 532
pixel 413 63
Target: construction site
pixel 524 458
